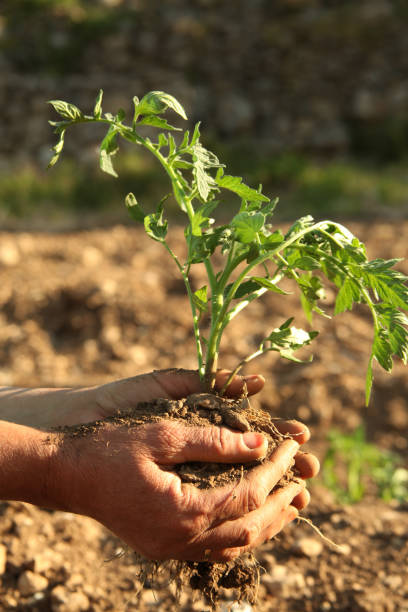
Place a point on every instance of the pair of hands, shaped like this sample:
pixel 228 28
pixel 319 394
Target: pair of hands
pixel 121 477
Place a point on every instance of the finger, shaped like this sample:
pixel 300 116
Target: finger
pixel 252 492
pixel 307 465
pixel 213 444
pixel 228 554
pixel 252 383
pixel 249 529
pixel 298 430
pixel 301 500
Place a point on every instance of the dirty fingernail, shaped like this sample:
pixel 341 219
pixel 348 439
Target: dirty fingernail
pixel 253 440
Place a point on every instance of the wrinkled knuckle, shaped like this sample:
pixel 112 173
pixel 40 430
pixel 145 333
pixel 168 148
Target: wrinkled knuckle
pixel 192 528
pixel 168 437
pixel 222 438
pixel 249 535
pixel 255 499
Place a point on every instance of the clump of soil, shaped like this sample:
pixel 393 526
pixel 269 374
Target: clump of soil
pixel 204 409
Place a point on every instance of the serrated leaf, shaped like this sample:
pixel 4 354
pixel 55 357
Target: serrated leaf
pixel 108 149
pixel 201 219
pixel 306 262
pixel 382 350
pixel 202 161
pixel 369 381
pixel 97 111
pixel 155 225
pixel 163 142
pixel 247 226
pixel 235 184
pixel 57 149
pixel 287 339
pixel 66 110
pixel 134 208
pixel 200 300
pixel 158 122
pixel 268 284
pixel 349 293
pixel 157 102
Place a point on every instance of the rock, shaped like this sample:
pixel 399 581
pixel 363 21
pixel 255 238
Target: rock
pixel 29 583
pixel 63 600
pixel 309 547
pixel 393 582
pixel 282 580
pixel 9 255
pixel 3 559
pixel 237 607
pixel 46 560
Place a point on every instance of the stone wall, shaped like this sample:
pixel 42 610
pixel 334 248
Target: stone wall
pixel 317 75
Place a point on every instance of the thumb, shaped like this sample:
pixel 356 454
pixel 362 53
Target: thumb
pixel 219 445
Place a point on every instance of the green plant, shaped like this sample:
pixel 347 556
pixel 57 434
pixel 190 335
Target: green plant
pixel 352 465
pixel 256 257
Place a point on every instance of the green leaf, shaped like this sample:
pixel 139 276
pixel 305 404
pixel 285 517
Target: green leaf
pixel 158 122
pixel 155 225
pixel 163 142
pixel 108 149
pixel 201 220
pixel 200 299
pixel 97 111
pixel 247 226
pixel 157 102
pixel 268 284
pixel 306 262
pixel 66 110
pixel 235 184
pixel 58 149
pixel 204 160
pixel 382 350
pixel 134 208
pixel 286 340
pixel 389 285
pixel 348 294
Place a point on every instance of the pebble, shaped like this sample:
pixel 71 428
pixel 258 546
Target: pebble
pixel 237 607
pixel 63 600
pixel 3 559
pixel 9 255
pixel 309 547
pixel 29 583
pixel 393 582
pixel 281 579
pixel 46 560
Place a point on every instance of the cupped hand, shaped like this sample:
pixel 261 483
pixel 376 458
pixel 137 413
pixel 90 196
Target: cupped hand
pixel 123 478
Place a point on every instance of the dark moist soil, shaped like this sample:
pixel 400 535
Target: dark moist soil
pixel 205 409
pixel 86 308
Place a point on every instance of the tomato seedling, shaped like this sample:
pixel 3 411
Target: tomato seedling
pixel 256 257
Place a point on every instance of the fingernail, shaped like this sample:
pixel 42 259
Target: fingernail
pixel 253 440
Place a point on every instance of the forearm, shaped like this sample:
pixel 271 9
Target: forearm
pixel 26 465
pixel 44 408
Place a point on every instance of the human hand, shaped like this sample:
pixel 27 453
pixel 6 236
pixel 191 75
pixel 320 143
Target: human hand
pixel 121 476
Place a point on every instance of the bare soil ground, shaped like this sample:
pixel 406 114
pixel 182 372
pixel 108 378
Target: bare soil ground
pixel 85 308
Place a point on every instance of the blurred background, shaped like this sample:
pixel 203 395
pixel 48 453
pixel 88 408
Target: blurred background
pixel 308 97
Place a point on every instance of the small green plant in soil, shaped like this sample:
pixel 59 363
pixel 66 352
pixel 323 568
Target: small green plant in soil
pixel 256 257
pixel 354 467
pixel 243 259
